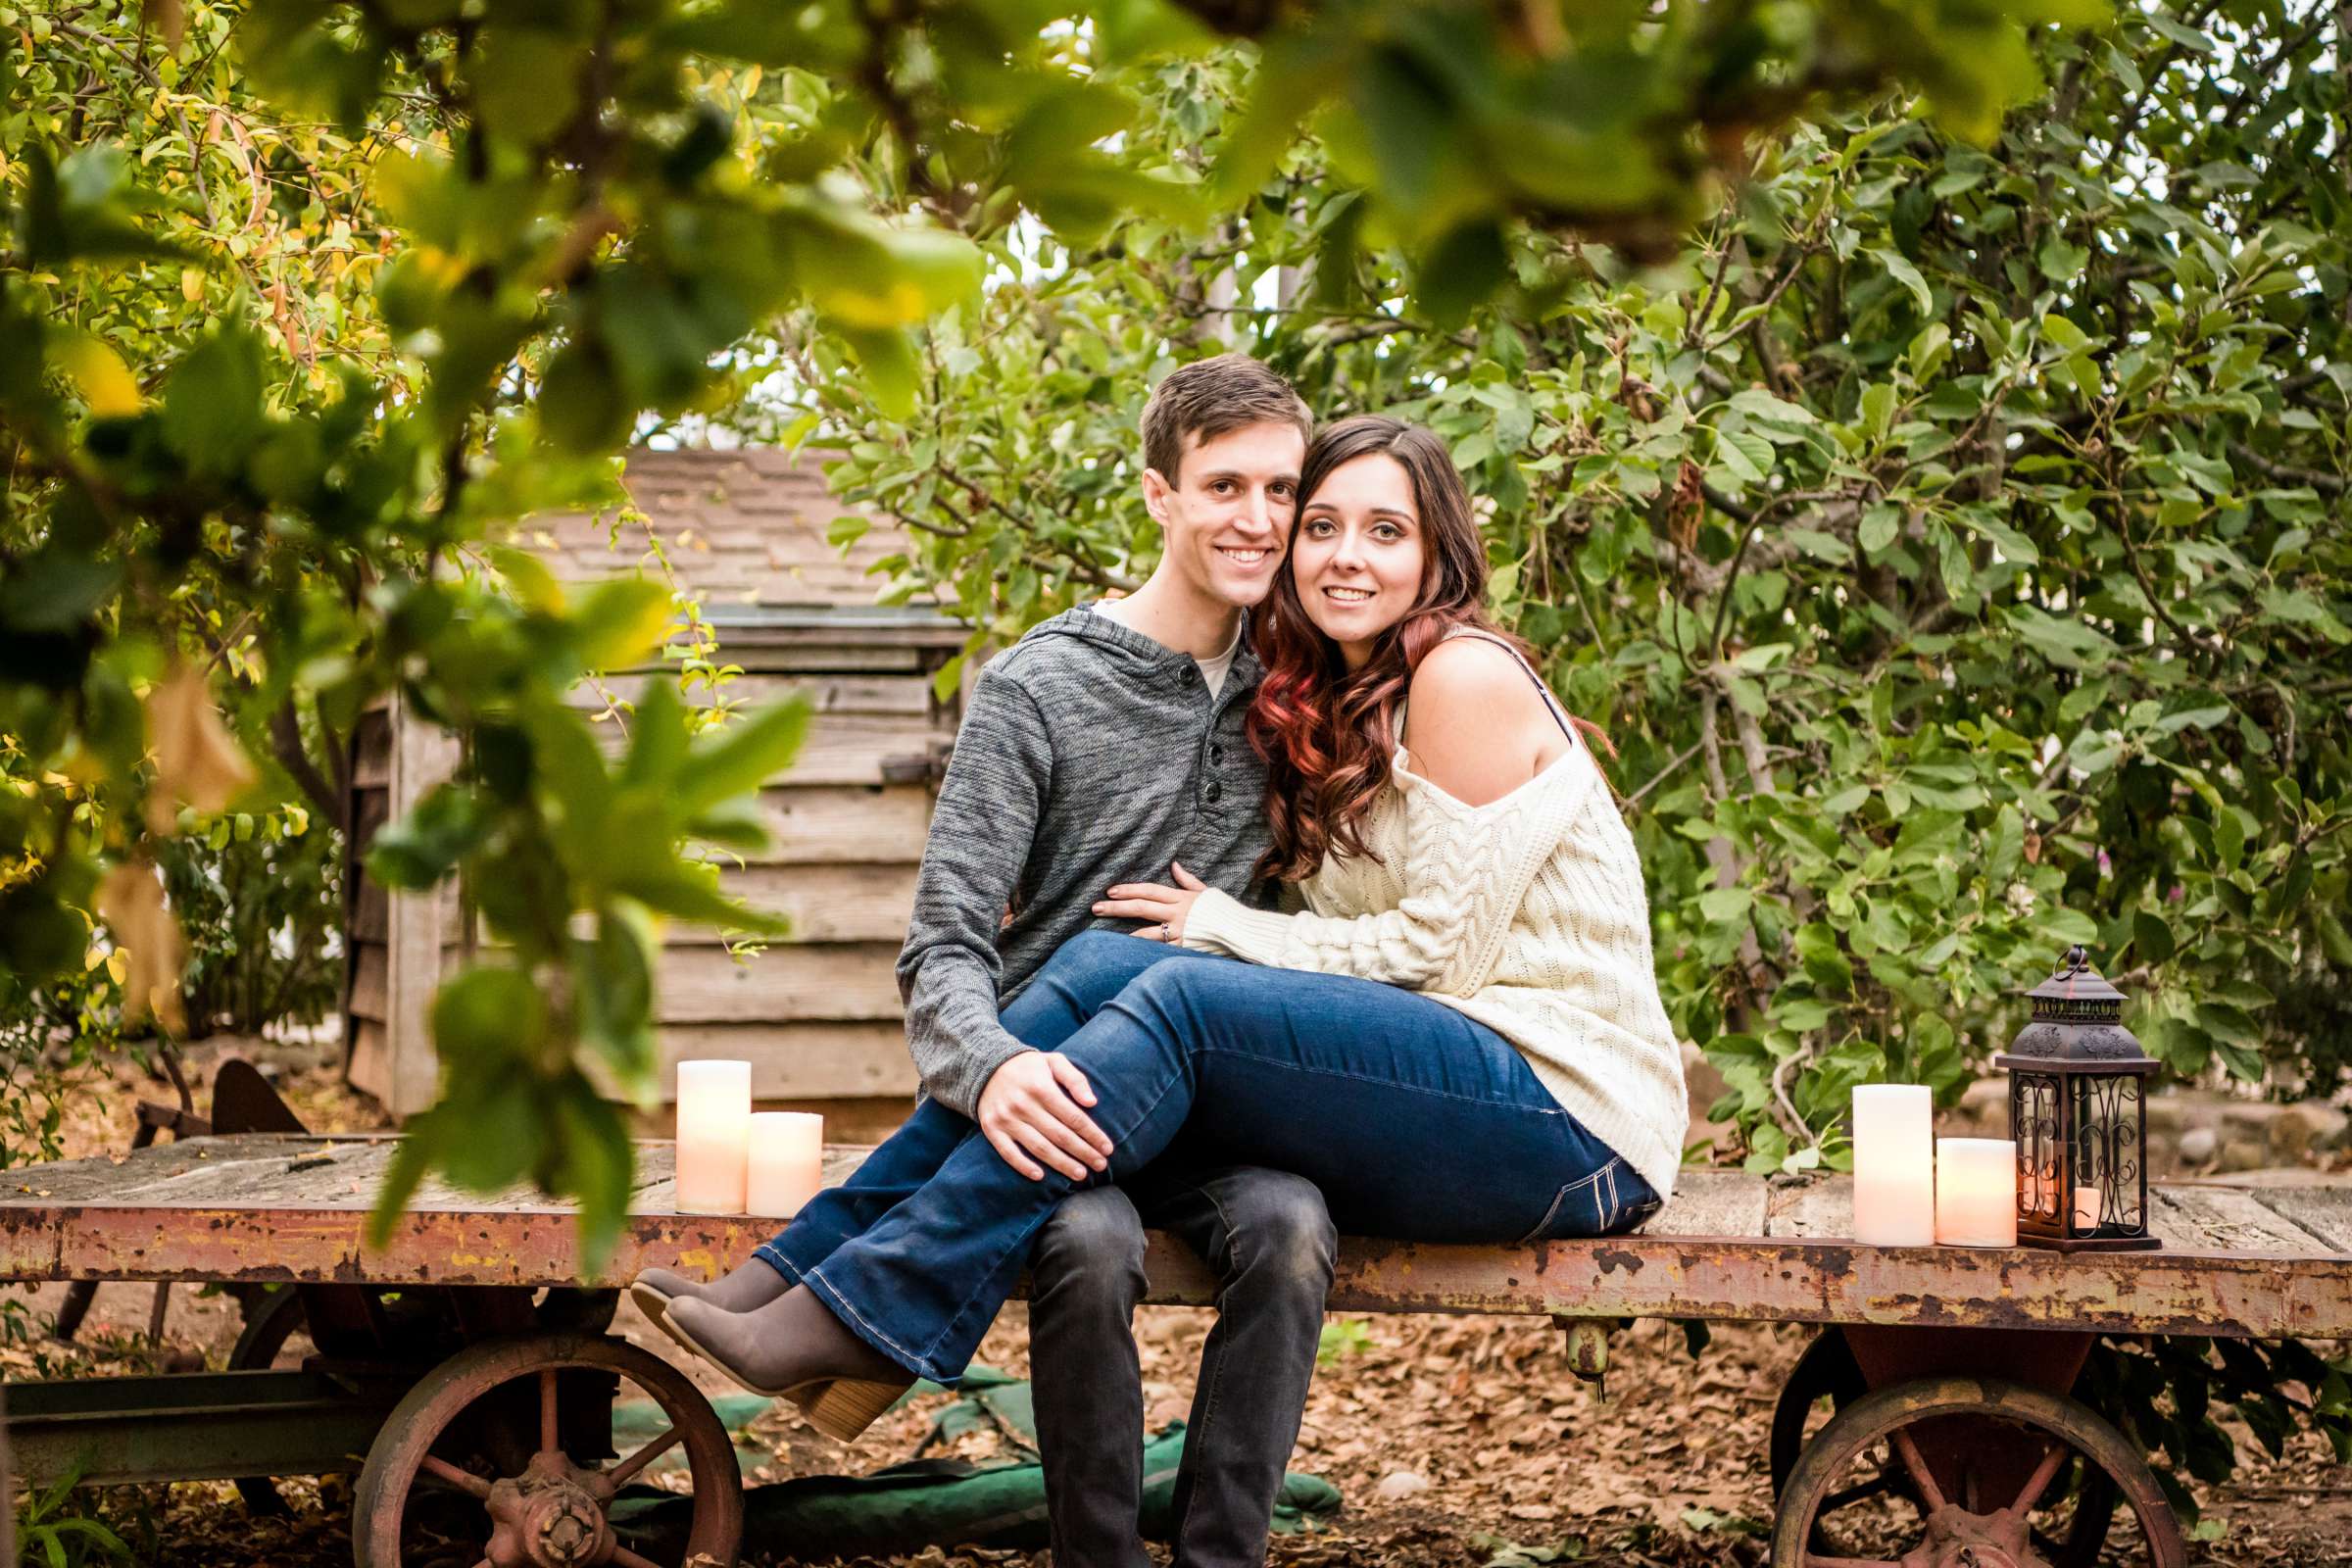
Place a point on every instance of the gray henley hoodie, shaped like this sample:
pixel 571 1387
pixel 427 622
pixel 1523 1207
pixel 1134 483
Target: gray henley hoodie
pixel 1091 754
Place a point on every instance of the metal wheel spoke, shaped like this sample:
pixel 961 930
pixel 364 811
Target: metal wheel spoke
pixel 464 1480
pixel 620 1475
pixel 626 1558
pixel 1930 1497
pixel 546 1409
pixel 2031 1493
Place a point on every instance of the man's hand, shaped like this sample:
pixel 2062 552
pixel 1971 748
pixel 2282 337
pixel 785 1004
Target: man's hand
pixel 1031 1107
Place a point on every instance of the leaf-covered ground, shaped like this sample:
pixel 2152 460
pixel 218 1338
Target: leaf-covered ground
pixel 1455 1443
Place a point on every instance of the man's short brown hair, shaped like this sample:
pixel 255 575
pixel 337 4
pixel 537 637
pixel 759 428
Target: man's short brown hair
pixel 1213 397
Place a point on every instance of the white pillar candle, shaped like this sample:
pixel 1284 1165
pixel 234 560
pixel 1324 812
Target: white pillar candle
pixel 1895 1171
pixel 1976 1191
pixel 788 1160
pixel 715 1133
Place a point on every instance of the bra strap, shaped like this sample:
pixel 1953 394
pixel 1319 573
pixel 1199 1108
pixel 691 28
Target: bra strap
pixel 1551 703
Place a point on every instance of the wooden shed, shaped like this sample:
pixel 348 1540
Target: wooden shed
pixel 817 1013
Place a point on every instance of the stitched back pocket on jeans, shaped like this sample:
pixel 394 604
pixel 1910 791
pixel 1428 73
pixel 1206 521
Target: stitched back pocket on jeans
pixel 1586 1206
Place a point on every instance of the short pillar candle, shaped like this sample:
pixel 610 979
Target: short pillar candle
pixel 1895 1171
pixel 788 1161
pixel 1976 1191
pixel 715 1134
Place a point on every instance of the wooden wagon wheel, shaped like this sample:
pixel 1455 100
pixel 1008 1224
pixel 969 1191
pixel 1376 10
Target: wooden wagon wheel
pixel 1970 1526
pixel 509 1478
pixel 1827 1371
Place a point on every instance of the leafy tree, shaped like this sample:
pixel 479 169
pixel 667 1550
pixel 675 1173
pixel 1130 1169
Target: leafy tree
pixel 1951 537
pixel 304 303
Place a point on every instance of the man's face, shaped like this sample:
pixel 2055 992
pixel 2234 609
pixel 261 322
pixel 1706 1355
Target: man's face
pixel 1226 516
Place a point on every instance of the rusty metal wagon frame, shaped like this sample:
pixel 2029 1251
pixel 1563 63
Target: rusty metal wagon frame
pixel 464 1369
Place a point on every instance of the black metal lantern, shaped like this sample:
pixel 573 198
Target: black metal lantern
pixel 2078 1110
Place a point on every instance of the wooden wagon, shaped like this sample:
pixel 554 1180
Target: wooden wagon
pixel 466 1364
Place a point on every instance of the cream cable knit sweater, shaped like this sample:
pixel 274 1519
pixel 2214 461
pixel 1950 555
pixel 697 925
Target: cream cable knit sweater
pixel 1528 913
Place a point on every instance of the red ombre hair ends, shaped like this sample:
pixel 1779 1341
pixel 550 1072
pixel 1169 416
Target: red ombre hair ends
pixel 1327 733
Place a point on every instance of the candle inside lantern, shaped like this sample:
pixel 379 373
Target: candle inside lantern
pixel 2087 1208
pixel 1895 1172
pixel 714 1132
pixel 1976 1191
pixel 788 1156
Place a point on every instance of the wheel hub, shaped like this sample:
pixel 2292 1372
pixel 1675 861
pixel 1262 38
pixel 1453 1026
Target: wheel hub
pixel 550 1516
pixel 1960 1539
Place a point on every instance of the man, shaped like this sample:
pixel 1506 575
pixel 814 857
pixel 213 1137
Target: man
pixel 1105 745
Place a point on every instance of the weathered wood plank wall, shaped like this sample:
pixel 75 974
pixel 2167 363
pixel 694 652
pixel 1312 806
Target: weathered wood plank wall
pixel 818 1012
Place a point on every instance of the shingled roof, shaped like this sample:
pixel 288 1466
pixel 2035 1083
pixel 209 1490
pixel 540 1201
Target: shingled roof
pixel 741 529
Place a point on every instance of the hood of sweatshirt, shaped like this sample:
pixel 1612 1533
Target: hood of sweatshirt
pixel 1135 655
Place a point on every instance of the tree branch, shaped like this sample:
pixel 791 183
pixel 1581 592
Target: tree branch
pixel 285 737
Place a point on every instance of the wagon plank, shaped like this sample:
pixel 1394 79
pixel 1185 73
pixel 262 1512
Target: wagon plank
pixel 2325 1212
pixel 1820 1206
pixel 2226 1219
pixel 1712 1202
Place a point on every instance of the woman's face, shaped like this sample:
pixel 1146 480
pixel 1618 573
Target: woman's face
pixel 1358 558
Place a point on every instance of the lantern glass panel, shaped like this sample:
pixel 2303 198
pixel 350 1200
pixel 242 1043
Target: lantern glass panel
pixel 2034 1102
pixel 2108 1121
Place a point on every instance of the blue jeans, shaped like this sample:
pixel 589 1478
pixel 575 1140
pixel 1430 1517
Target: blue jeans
pixel 1416 1122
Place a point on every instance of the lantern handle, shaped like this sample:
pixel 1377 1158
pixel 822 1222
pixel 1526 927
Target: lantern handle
pixel 2077 960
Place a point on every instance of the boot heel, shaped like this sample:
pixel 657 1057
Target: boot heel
pixel 847 1406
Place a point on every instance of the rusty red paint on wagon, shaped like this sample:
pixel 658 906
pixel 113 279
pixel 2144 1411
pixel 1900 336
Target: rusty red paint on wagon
pixel 295 1209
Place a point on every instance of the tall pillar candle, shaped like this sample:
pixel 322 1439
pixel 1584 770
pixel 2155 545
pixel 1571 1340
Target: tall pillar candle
pixel 1976 1191
pixel 788 1161
pixel 715 1134
pixel 1895 1171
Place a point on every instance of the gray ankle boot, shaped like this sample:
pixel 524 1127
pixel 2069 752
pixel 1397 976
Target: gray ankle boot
pixel 754 1285
pixel 794 1348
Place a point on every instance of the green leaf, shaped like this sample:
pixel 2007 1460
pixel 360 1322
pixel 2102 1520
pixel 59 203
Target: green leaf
pixel 597 1168
pixel 1722 905
pixel 414 851
pixel 1899 266
pixel 1878 408
pixel 526 80
pixel 1758 404
pixel 743 756
pixel 620 622
pixel 891 368
pixel 1928 349
pixel 2151 937
pixel 1847 800
pixel 213 401
pixel 488 1013
pixel 1748 456
pixel 2065 333
pixel 1459 272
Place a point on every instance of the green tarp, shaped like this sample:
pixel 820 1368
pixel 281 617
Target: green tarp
pixel 925 1501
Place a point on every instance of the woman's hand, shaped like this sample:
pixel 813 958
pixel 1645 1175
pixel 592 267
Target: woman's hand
pixel 1162 907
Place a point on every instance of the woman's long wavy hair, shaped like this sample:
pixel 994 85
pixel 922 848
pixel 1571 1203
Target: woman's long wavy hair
pixel 1328 733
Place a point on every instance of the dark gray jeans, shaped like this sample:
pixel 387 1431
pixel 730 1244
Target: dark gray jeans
pixel 1271 1243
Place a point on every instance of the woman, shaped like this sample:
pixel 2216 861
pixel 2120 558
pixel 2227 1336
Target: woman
pixel 1460 1038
